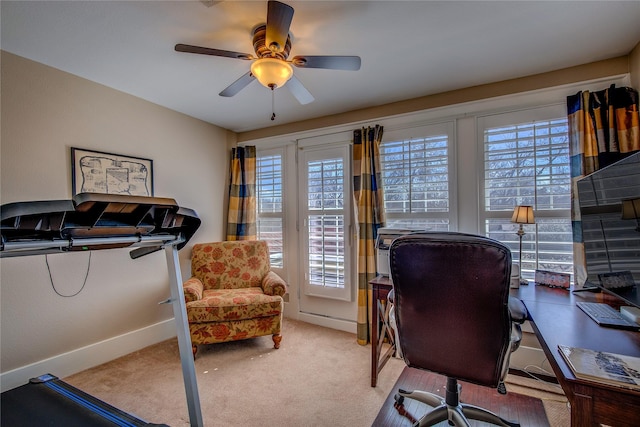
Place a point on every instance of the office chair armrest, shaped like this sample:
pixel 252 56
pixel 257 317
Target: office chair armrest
pixel 517 310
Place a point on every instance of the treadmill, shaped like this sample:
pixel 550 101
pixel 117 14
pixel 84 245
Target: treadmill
pixel 93 221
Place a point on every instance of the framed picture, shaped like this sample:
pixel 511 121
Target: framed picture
pixel 108 173
pixel 616 279
pixel 553 279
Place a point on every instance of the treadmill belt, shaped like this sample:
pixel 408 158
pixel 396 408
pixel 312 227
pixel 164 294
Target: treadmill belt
pixel 48 401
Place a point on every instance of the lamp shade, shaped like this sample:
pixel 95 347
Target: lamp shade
pixel 631 209
pixel 272 72
pixel 523 215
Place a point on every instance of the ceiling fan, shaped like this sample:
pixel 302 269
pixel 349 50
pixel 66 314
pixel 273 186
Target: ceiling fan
pixel 271 66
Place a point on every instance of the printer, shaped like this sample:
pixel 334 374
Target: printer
pixel 386 235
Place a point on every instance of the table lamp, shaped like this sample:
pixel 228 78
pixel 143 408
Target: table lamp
pixel 522 215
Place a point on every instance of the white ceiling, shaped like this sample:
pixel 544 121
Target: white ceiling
pixel 408 48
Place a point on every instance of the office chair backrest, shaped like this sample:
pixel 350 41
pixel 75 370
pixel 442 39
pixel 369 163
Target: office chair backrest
pixel 451 301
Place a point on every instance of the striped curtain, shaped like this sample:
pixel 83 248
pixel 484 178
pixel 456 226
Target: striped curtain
pixel 604 127
pixel 369 204
pixel 241 218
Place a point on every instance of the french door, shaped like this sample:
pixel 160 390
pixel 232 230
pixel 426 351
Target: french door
pixel 326 232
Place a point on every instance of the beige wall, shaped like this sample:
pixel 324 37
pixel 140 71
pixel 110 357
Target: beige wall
pixel 634 67
pixel 580 73
pixel 45 112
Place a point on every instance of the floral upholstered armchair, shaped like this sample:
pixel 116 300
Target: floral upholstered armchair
pixel 233 294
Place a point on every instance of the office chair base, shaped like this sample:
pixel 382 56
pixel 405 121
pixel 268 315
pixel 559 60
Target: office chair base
pixel 457 415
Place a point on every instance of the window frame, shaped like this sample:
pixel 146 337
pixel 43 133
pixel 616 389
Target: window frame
pixel 419 132
pixel 320 153
pixel 280 151
pixel 531 242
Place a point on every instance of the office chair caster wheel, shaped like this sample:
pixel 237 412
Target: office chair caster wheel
pixel 502 388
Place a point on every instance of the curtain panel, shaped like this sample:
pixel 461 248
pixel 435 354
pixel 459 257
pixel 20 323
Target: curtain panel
pixel 369 206
pixel 604 127
pixel 241 216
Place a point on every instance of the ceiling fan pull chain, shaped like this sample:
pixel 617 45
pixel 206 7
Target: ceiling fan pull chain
pixel 273 104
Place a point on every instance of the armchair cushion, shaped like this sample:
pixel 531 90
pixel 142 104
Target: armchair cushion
pixel 230 265
pixel 233 304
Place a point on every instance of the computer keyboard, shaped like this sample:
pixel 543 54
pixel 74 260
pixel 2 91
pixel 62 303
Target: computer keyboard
pixel 605 315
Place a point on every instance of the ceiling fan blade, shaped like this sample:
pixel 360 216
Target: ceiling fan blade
pixel 279 16
pixel 298 90
pixel 238 85
pixel 351 63
pixel 215 52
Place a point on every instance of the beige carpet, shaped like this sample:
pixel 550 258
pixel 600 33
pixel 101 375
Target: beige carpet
pixel 318 377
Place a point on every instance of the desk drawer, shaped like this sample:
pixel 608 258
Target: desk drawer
pixel 616 409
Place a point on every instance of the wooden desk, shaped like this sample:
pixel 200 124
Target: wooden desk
pixel 556 320
pixel 380 327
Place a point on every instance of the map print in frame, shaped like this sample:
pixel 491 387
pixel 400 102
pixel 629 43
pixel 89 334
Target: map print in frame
pixel 107 173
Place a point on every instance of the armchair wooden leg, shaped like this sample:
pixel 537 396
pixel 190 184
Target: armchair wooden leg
pixel 276 340
pixel 194 349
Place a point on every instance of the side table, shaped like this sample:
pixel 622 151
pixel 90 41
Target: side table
pixel 380 327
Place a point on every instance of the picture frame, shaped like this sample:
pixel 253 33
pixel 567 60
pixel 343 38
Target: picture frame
pixel 552 279
pixel 617 279
pixel 109 173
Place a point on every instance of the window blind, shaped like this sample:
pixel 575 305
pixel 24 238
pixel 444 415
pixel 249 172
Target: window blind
pixel 528 164
pixel 326 223
pixel 269 186
pixel 415 174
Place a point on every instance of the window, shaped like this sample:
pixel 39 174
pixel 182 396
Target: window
pixel 326 222
pixel 269 196
pixel 325 186
pixel 526 162
pixel 416 178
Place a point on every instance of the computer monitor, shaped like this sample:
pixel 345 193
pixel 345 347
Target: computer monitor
pixel 609 201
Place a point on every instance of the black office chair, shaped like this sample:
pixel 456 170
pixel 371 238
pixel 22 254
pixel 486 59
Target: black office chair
pixel 455 317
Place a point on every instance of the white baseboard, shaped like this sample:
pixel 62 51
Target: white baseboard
pixel 529 356
pixel 328 322
pixel 530 359
pixel 92 355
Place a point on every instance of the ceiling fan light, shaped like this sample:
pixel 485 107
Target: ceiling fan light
pixel 271 72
